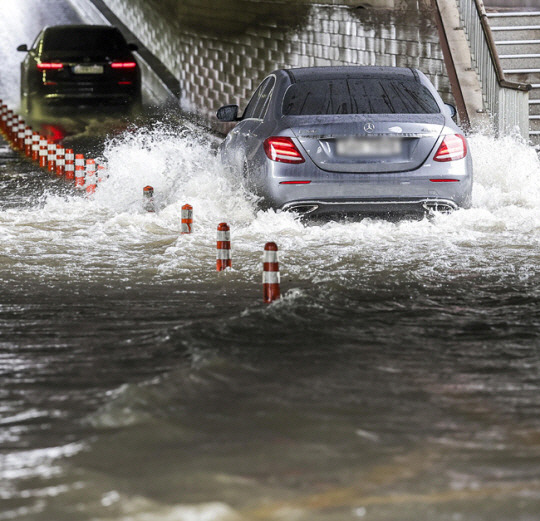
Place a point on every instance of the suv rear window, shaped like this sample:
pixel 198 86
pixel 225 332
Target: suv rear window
pixel 95 40
pixel 358 96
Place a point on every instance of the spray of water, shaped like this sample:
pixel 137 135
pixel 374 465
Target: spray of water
pixel 113 230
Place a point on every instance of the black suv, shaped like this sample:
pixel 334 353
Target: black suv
pixel 79 65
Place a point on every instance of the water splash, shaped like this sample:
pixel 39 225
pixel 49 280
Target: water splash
pixel 114 230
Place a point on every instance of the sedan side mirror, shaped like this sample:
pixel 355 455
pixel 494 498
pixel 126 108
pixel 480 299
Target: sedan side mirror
pixel 23 47
pixel 133 47
pixel 452 111
pixel 228 113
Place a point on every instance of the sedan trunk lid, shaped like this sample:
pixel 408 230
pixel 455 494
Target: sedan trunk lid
pixel 356 143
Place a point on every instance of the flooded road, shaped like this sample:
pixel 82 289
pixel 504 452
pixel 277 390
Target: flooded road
pixel 397 380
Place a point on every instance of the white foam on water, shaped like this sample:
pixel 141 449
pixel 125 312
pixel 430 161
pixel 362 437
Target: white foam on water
pixel 142 509
pixel 113 232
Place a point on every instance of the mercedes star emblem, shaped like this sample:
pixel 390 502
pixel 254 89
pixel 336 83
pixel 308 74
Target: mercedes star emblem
pixel 369 127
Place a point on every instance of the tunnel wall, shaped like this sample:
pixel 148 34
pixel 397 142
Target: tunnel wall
pixel 220 50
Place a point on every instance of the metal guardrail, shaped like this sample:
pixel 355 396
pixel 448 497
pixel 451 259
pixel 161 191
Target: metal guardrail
pixel 506 101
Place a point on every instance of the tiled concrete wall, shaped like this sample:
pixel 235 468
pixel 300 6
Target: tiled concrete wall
pixel 221 49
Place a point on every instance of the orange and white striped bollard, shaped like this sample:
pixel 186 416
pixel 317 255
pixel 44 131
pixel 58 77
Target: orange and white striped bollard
pixel 11 122
pixel 12 127
pixel 21 135
pixel 187 219
pixel 271 289
pixel 51 156
pixel 102 174
pixel 223 260
pixel 60 161
pixel 90 176
pixel 69 168
pixel 28 142
pixel 35 146
pixel 5 121
pixel 43 153
pixel 79 172
pixel 148 198
pixel 3 118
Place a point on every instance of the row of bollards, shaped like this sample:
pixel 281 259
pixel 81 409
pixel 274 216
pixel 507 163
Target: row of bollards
pixel 86 176
pixel 55 159
pixel 271 281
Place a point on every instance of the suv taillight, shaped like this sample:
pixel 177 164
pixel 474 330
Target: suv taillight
pixel 282 149
pixel 452 148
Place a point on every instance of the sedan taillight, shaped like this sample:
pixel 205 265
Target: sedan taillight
pixel 452 148
pixel 282 149
pixel 43 66
pixel 123 65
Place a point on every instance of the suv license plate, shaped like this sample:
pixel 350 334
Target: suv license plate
pixel 88 69
pixel 368 147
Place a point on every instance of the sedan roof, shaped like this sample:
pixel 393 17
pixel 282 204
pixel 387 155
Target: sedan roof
pixel 80 27
pixel 327 73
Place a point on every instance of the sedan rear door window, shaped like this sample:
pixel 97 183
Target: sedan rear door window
pixel 259 101
pixel 98 40
pixel 358 96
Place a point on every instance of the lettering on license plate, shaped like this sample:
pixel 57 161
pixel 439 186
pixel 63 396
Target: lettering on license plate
pixel 368 147
pixel 88 69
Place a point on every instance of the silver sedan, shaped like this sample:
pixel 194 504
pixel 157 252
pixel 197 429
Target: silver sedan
pixel 326 140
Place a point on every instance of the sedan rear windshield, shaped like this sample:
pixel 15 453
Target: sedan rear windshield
pixel 358 96
pixel 102 41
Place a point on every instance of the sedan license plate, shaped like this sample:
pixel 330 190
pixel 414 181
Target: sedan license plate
pixel 88 69
pixel 354 147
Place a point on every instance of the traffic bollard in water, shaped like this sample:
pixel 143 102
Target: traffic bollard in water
pixel 35 147
pixel 43 153
pixel 28 142
pixel 102 174
pixel 187 219
pixel 13 127
pixel 10 123
pixel 21 135
pixel 79 172
pixel 69 168
pixel 223 260
pixel 51 156
pixel 3 118
pixel 60 161
pixel 148 199
pixel 90 177
pixel 271 290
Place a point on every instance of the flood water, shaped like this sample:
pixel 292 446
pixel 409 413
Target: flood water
pixel 398 379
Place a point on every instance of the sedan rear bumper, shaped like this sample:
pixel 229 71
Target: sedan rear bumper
pixel 376 206
pixel 309 189
pixel 89 98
